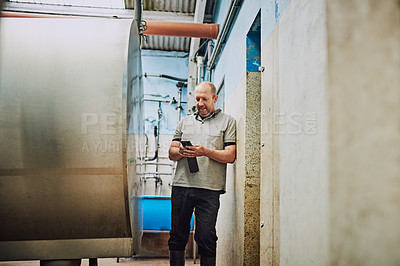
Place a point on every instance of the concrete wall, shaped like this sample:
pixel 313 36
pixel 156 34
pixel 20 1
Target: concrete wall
pixel 330 142
pixel 364 126
pixel 294 178
pixel 230 224
pixel 240 206
pixel 269 181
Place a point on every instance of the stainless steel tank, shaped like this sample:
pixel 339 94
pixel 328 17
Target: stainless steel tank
pixel 70 127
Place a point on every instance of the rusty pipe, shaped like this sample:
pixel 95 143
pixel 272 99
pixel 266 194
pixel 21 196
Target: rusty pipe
pixel 182 29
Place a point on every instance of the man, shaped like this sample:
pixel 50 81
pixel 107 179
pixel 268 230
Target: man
pixel 212 134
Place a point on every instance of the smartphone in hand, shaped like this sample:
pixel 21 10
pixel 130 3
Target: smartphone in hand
pixel 186 143
pixel 192 162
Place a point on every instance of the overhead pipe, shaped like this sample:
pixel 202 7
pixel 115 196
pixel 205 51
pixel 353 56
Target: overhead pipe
pixel 181 29
pixel 154 173
pixel 164 76
pixel 180 84
pixel 234 7
pixel 166 164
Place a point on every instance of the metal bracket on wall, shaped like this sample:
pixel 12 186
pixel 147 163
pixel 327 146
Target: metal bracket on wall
pixel 143 27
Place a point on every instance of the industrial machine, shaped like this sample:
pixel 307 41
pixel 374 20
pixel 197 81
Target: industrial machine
pixel 71 129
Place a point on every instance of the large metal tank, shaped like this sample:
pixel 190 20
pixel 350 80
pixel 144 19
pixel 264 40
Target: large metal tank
pixel 70 125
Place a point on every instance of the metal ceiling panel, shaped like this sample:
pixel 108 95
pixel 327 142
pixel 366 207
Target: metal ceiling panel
pixel 181 6
pixel 167 43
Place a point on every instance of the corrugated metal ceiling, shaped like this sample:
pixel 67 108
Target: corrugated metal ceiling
pixel 182 6
pixel 166 43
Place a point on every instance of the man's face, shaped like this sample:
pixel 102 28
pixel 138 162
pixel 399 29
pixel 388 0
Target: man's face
pixel 205 100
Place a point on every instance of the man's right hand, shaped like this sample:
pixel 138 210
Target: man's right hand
pixel 175 153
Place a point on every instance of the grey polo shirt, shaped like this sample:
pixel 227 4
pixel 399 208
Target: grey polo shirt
pixel 214 132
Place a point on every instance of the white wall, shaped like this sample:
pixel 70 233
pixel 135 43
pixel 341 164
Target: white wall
pixel 230 224
pixel 303 134
pixel 364 102
pixel 331 132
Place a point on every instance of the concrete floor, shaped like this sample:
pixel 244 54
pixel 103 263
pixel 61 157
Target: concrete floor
pixel 108 262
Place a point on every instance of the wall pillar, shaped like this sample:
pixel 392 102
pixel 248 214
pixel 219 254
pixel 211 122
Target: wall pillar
pixel 252 170
pixel 269 166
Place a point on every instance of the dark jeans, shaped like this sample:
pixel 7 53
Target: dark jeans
pixel 206 204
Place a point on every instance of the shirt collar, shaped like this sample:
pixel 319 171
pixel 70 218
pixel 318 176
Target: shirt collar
pixel 199 118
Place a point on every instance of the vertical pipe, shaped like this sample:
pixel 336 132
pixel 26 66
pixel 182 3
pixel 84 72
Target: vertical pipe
pixel 179 107
pixel 138 13
pixel 158 129
pixel 210 47
pixel 157 180
pixel 1 7
pixel 200 71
